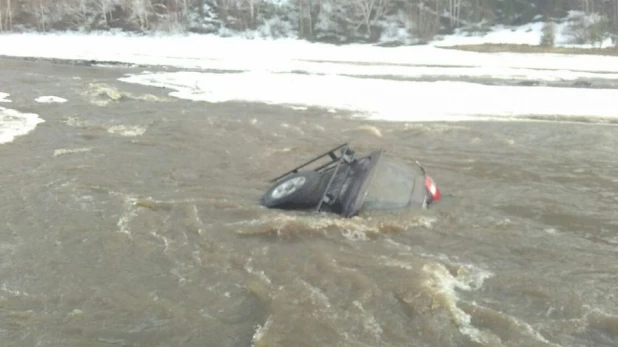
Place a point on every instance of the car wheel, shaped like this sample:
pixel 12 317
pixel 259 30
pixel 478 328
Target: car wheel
pixel 301 190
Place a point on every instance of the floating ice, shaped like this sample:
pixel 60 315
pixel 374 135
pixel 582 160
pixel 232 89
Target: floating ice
pixel 14 123
pixel 49 99
pixel 4 96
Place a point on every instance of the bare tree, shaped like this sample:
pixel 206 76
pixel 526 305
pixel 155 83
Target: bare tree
pixel 454 11
pixel 140 12
pixel 371 11
pixel 359 13
pixel 41 14
pixel 239 14
pixel 308 12
pixel 105 9
pixel 426 20
pixel 70 13
pixel 1 20
pixel 7 21
pixel 172 13
pixel 615 22
pixel 587 5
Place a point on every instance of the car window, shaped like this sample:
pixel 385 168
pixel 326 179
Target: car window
pixel 391 186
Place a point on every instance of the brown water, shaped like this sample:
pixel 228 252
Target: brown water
pixel 130 218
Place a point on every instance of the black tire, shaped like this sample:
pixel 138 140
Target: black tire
pixel 289 193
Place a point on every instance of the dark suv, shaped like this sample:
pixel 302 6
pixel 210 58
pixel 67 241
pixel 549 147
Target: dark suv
pixel 347 185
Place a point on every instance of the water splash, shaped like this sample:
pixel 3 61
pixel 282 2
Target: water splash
pixel 443 284
pixel 260 332
pixel 129 212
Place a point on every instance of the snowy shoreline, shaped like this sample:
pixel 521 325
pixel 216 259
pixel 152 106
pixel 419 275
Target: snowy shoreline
pixel 282 55
pixel 369 81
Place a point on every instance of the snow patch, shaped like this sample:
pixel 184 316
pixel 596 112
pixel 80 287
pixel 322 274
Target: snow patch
pixel 527 34
pixel 14 123
pixel 387 99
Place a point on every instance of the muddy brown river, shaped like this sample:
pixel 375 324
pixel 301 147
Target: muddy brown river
pixel 131 218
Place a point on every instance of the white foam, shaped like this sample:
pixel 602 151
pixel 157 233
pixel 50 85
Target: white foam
pixel 260 332
pixel 63 151
pixel 387 99
pixel 258 273
pixel 50 99
pixel 127 130
pixel 14 123
pixel 443 283
pixel 165 240
pixel 130 211
pixel 13 292
pixel 4 96
pixel 317 295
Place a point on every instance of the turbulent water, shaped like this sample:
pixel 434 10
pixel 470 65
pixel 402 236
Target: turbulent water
pixel 130 218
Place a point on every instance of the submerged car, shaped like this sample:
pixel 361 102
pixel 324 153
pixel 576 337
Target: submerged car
pixel 347 184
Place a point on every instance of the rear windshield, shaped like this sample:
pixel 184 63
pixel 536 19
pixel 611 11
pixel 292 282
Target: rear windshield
pixel 392 185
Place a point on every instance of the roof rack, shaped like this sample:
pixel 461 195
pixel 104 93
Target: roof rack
pixel 340 154
pixel 344 150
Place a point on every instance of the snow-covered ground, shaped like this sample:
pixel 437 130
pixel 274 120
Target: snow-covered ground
pixel 213 52
pixel 298 73
pixel 527 34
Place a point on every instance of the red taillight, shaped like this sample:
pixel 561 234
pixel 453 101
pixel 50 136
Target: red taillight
pixel 432 188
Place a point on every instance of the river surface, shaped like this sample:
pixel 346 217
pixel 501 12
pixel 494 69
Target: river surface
pixel 131 218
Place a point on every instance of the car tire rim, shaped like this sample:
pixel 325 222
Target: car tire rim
pixel 288 187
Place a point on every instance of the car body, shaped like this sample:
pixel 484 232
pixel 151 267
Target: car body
pixel 347 184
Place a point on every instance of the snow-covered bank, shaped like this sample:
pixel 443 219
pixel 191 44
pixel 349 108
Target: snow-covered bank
pixel 527 34
pixel 212 52
pixel 387 99
pixel 293 72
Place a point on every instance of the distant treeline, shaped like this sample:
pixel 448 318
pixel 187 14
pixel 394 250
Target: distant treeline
pixel 323 20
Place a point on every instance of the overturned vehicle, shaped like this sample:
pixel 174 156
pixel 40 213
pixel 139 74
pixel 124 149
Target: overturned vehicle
pixel 347 184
